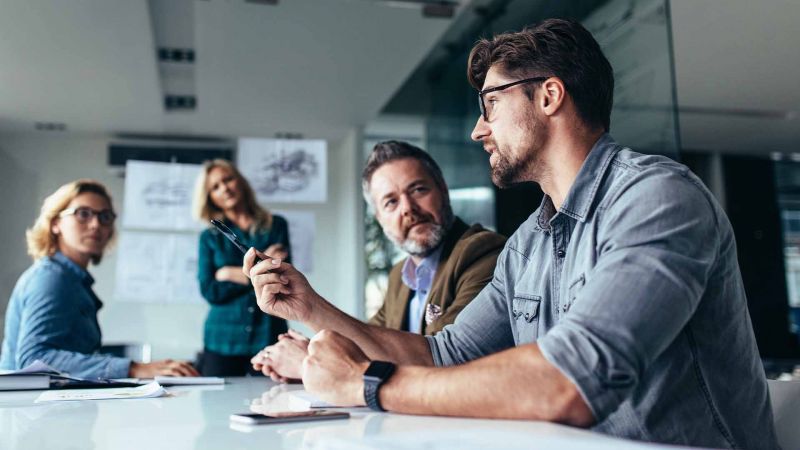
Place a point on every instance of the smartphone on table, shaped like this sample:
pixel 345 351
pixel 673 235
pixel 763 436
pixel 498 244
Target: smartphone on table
pixel 288 417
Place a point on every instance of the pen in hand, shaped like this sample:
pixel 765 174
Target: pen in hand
pixel 228 233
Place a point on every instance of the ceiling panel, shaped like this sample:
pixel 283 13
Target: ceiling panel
pixel 738 60
pixel 87 63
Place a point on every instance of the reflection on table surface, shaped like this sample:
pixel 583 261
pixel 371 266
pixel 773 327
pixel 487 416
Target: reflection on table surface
pixel 197 417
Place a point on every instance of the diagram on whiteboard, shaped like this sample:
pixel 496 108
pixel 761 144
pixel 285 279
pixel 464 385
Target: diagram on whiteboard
pixel 285 170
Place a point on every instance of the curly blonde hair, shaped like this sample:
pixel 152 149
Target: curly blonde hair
pixel 204 209
pixel 40 237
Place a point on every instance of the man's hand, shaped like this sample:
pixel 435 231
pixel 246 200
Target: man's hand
pixel 334 369
pixel 281 289
pixel 283 361
pixel 166 367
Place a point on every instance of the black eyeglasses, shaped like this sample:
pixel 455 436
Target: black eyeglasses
pixel 84 214
pixel 484 111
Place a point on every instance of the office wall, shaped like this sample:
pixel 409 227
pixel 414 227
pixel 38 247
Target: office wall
pixel 33 166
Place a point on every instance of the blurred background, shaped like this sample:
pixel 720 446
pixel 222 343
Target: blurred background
pixel 86 86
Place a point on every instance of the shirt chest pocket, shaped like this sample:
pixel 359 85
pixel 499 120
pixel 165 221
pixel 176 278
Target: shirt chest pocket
pixel 572 292
pixel 525 316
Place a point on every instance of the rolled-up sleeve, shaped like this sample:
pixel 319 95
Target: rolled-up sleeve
pixel 482 327
pixel 657 242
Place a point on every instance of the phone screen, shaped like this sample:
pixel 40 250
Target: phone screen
pixel 288 416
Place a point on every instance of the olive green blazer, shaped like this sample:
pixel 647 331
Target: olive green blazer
pixel 466 265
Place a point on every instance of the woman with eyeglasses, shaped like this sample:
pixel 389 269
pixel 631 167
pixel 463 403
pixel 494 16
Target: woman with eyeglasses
pixel 235 328
pixel 52 314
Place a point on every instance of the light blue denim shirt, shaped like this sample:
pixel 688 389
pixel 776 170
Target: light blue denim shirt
pixel 52 316
pixel 632 290
pixel 419 278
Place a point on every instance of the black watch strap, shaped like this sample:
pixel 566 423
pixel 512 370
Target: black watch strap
pixel 377 373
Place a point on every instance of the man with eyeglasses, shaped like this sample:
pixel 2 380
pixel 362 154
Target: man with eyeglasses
pixel 617 305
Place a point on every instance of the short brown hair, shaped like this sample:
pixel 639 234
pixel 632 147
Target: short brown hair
pixel 553 48
pixel 205 210
pixel 388 151
pixel 40 238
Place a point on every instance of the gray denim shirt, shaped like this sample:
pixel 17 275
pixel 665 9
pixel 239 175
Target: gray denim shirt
pixel 632 290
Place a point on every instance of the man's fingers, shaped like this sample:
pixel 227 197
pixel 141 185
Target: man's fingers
pixel 297 335
pixel 268 265
pixel 268 278
pixel 249 259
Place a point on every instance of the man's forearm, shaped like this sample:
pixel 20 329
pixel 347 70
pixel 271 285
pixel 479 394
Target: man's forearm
pixel 377 343
pixel 514 384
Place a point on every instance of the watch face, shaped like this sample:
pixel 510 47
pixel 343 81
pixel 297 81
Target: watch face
pixel 378 370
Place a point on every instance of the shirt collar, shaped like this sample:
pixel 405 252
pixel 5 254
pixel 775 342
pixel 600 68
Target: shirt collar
pixel 410 270
pixel 75 269
pixel 581 195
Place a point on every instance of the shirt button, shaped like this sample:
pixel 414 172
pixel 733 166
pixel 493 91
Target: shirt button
pixel 248 328
pixel 561 253
pixel 251 309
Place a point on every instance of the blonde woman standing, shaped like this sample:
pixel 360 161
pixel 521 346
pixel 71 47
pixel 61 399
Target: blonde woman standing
pixel 52 314
pixel 235 328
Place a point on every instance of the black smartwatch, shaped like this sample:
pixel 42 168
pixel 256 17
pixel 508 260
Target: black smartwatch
pixel 377 373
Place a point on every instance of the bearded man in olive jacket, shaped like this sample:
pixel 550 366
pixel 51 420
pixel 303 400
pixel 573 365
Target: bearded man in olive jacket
pixel 448 261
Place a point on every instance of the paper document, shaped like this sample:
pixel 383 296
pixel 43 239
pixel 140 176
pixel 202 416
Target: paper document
pixel 303 400
pixel 188 381
pixel 149 390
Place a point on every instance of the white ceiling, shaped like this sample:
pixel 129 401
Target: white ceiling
pixel 737 66
pixel 316 67
pixel 320 67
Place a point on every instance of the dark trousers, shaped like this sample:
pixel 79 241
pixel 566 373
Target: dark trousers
pixel 213 364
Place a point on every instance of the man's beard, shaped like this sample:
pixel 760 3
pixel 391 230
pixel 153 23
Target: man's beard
pixel 510 169
pixel 425 246
pixel 431 241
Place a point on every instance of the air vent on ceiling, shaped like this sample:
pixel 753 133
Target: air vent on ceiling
pixel 176 55
pixel 179 149
pixel 174 103
pixel 50 126
pixel 439 9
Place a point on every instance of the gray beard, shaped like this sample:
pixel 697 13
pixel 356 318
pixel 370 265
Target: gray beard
pixel 427 246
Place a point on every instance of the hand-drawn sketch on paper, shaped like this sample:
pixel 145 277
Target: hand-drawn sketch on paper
pixel 285 170
pixel 157 267
pixel 158 196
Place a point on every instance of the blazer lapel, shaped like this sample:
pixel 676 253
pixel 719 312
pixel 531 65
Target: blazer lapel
pixel 397 313
pixel 436 301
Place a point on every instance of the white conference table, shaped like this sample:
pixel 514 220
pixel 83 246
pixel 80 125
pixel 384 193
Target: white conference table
pixel 197 417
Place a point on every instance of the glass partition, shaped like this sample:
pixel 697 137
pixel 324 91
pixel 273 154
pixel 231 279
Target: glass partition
pixel 634 34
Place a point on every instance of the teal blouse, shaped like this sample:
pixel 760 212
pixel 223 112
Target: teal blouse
pixel 235 325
